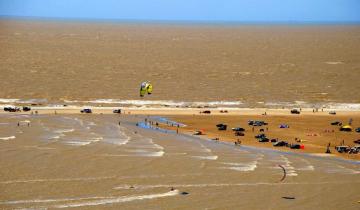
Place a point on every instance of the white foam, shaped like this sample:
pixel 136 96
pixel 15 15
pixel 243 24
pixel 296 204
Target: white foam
pixel 290 170
pixel 55 137
pixel 48 200
pixel 153 154
pixel 241 166
pixel 10 100
pixel 22 101
pixel 139 153
pixel 121 199
pixel 213 157
pixel 65 130
pixel 158 102
pixel 78 143
pixel 7 138
pixel 307 168
pixel 334 62
pixel 343 106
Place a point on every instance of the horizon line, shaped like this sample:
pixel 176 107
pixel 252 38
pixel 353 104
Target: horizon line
pixel 182 21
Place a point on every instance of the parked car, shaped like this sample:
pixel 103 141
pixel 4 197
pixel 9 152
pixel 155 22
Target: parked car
pixel 332 112
pixel 357 141
pixel 259 136
pixel 11 109
pixel 336 123
pixel 357 130
pixel 295 146
pixel 273 140
pixel 26 109
pixel 264 139
pixel 221 127
pixel 88 111
pixel 355 149
pixel 206 112
pixel 117 111
pixel 295 111
pixel 238 129
pixel 259 123
pixel 280 144
pixel 342 149
pixel 239 133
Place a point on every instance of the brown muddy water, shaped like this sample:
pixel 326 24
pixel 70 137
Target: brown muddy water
pixel 253 64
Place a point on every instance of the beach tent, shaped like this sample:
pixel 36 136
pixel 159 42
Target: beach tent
pixel 346 128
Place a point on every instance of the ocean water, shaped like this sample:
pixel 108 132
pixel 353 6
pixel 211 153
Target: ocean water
pixel 238 65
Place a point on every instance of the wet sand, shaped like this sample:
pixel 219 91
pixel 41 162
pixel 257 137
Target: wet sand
pixel 90 162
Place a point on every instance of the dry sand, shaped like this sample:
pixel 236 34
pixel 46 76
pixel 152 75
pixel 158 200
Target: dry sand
pixel 314 130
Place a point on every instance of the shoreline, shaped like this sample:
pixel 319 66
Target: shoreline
pixel 181 111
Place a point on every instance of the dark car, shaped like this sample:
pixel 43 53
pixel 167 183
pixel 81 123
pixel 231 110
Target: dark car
pixel 221 127
pixel 280 144
pixel 251 122
pixel 117 111
pixel 239 133
pixel 357 141
pixel 259 136
pixel 26 109
pixel 259 123
pixel 273 140
pixel 295 111
pixel 336 123
pixel 342 149
pixel 357 130
pixel 238 129
pixel 264 139
pixel 206 112
pixel 11 109
pixel 295 146
pixel 332 112
pixel 88 111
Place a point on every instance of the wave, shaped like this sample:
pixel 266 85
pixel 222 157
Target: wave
pixel 23 101
pixel 158 102
pixel 64 131
pixel 241 166
pixel 189 104
pixel 7 138
pixel 121 199
pixel 213 157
